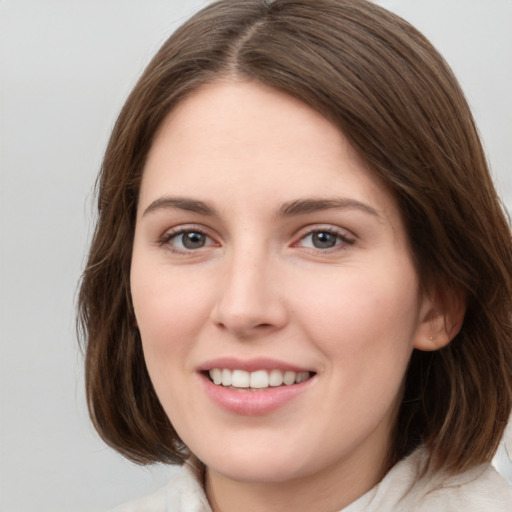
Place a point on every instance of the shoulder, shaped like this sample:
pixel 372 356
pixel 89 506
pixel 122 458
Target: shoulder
pixel 478 490
pixel 154 502
pixel 404 489
pixel 183 493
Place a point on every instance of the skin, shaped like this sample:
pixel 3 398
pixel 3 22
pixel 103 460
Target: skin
pixel 260 286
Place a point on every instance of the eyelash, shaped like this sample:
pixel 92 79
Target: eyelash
pixel 169 236
pixel 342 239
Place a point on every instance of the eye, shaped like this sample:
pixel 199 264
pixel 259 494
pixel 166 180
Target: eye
pixel 324 239
pixel 186 240
pixel 191 240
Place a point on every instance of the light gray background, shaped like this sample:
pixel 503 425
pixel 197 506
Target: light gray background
pixel 66 67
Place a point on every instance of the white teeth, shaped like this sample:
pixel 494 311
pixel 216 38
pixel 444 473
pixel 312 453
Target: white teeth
pixel 275 378
pixel 259 379
pixel 301 377
pixel 226 378
pixel 289 378
pixel 240 379
pixel 216 376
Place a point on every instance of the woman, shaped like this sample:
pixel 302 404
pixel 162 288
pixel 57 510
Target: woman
pixel 299 284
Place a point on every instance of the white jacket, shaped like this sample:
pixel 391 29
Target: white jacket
pixel 481 489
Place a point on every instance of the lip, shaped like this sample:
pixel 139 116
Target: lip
pixel 250 365
pixel 252 403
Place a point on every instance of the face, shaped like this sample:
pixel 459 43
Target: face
pixel 265 251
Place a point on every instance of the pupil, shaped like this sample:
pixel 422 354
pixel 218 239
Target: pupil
pixel 193 240
pixel 323 240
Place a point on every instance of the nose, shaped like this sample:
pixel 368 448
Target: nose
pixel 250 300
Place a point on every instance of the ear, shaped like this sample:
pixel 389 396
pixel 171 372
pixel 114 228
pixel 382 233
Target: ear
pixel 441 318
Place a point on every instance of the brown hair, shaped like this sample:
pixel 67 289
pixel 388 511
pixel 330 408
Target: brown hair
pixel 391 93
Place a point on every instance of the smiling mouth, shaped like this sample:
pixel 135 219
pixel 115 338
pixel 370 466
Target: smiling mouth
pixel 241 380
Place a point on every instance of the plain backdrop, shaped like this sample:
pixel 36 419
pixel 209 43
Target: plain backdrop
pixel 66 67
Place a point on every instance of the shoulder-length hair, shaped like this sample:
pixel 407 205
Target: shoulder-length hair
pixel 394 97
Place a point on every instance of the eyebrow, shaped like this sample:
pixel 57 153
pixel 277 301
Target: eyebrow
pixel 180 203
pixel 288 209
pixel 305 206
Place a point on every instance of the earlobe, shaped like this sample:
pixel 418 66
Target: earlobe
pixel 440 322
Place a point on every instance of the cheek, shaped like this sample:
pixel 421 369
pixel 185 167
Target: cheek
pixel 170 311
pixel 369 315
pixel 169 316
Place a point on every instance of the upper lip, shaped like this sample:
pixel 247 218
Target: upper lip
pixel 250 365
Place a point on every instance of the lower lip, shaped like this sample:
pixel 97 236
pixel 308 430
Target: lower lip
pixel 254 403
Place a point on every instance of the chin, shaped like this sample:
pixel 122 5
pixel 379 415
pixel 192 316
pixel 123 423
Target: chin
pixel 259 465
pixel 258 473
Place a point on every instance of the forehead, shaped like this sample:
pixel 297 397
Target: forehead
pixel 241 141
pixel 226 118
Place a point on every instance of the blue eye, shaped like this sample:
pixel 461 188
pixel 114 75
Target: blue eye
pixel 187 240
pixel 324 239
pixel 193 240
